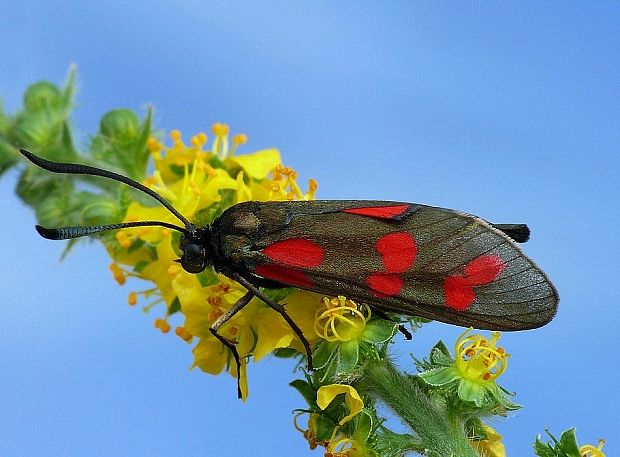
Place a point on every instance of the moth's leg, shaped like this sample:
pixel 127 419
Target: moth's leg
pixel 401 328
pixel 234 309
pixel 280 309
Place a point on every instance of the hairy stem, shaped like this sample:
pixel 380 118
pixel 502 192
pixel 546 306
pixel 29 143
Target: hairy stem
pixel 441 436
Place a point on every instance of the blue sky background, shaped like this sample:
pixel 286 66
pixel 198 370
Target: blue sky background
pixel 506 110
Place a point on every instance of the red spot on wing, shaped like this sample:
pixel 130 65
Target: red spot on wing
pixel 397 250
pixel 295 252
pixel 459 294
pixel 380 212
pixel 285 275
pixel 483 269
pixel 385 284
pixel 459 289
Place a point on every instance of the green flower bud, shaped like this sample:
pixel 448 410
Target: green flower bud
pixel 120 124
pixel 41 95
pixel 98 209
pixel 34 130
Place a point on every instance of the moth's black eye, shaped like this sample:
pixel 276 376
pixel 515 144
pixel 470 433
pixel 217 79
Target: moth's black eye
pixel 194 258
pixel 193 252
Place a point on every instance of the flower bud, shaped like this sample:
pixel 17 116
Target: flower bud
pixel 33 130
pixel 120 124
pixel 41 95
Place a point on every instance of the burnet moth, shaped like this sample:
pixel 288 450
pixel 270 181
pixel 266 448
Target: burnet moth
pixel 404 258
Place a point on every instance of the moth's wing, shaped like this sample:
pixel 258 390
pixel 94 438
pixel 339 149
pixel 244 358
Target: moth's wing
pixel 340 241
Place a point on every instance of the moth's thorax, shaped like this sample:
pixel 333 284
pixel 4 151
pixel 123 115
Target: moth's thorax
pixel 233 236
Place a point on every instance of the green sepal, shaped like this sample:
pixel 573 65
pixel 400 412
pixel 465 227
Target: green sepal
pixel 8 156
pixel 323 354
pixel 324 428
pixel 475 429
pixel 138 267
pixel 439 376
pixel 285 353
pixel 175 306
pixel 379 331
pixel 440 355
pixel 207 277
pixel 566 446
pixel 348 356
pixel 306 390
pixel 472 391
pixel 278 295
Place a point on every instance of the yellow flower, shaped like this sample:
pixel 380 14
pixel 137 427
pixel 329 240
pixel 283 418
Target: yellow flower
pixel 492 446
pixel 201 182
pixel 588 450
pixel 340 319
pixel 479 359
pixel 326 394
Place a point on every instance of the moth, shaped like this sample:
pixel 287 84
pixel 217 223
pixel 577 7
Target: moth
pixel 404 258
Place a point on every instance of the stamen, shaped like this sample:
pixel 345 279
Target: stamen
pixel 132 299
pixel 182 333
pixel 162 325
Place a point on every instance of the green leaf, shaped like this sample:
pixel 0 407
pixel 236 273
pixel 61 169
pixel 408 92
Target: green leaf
pixel 439 376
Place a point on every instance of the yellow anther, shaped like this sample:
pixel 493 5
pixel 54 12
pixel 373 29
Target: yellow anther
pixel 214 300
pixel 150 181
pixel 123 239
pixel 214 315
pixel 182 333
pixel 239 138
pixel 132 299
pixel 175 135
pixel 220 129
pixel 199 140
pixel 153 145
pixel 162 325
pixel 312 185
pixel 118 274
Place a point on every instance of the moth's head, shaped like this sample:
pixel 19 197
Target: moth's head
pixel 195 256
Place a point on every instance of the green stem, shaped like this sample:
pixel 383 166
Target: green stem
pixel 441 436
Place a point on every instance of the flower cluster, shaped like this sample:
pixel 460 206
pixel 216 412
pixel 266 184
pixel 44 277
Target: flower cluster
pixel 201 182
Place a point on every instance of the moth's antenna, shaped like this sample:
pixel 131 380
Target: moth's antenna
pixel 78 169
pixel 65 233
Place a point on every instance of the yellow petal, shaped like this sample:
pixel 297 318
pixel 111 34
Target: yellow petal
pixel 272 332
pixel 492 446
pixel 258 164
pixel 326 395
pixel 210 355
